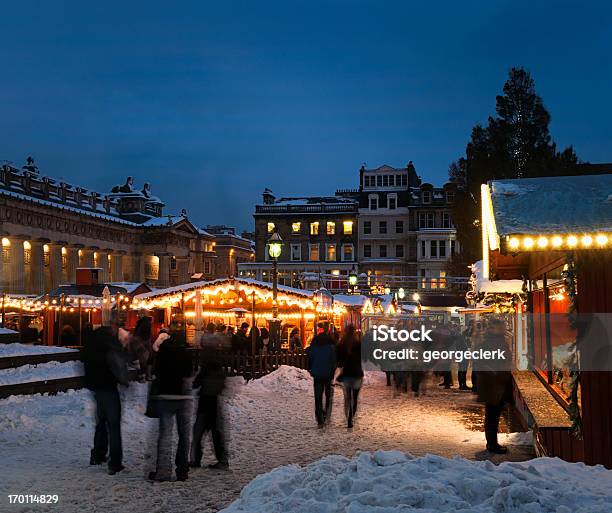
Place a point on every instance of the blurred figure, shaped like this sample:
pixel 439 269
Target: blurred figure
pixel 240 341
pixel 68 336
pixel 322 366
pixel 351 376
pixel 264 335
pixel 211 381
pixel 139 346
pixel 173 401
pixel 105 361
pixel 494 384
pixel 295 342
pixel 462 344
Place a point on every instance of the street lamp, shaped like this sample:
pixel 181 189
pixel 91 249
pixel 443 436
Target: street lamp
pixel 352 280
pixel 275 248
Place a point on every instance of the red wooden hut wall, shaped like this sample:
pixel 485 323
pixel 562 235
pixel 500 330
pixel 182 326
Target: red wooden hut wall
pixel 595 296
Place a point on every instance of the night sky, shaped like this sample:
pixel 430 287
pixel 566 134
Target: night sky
pixel 213 101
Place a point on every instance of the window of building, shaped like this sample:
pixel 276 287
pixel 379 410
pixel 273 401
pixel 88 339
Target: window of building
pixel 207 267
pixel 330 228
pixel 426 219
pixel 399 251
pixel 426 196
pixel 367 227
pixel 366 181
pixel 330 252
pixel 271 227
pixel 382 251
pixel 296 227
pixel 446 222
pixel 296 252
pixel 173 263
pixel 314 228
pixel 382 227
pixel 404 180
pixel 348 253
pixel 379 180
pixel 385 180
pixel 314 252
pixel 367 251
pixel 452 247
pixel 391 180
pixel 347 227
pixel 373 202
pixel 398 180
pixel 27 252
pixel 450 196
pixel 64 252
pixel 442 249
pixel 392 202
pixel 423 249
pixel 46 256
pixel 433 249
pixel 399 226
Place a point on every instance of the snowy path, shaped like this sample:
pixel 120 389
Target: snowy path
pixel 46 440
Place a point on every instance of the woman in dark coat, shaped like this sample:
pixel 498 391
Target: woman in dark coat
pixel 494 384
pixel 351 375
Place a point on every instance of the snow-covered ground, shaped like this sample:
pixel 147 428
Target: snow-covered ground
pixel 17 349
pixel 392 481
pixel 45 442
pixel 40 372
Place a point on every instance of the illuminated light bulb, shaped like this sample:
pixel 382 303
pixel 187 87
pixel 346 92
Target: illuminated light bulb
pixel 542 242
pixel 572 241
pixel 587 240
pixel 601 239
pixel 528 242
pixel 514 243
pixel 557 241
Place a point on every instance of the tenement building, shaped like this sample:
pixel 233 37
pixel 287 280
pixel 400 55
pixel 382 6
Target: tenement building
pixel 49 227
pixel 319 237
pixel 394 230
pixel 231 249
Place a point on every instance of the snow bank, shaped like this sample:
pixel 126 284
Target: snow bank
pixel 283 379
pixel 40 372
pixel 393 481
pixel 26 349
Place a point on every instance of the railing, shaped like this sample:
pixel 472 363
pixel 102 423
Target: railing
pixel 280 209
pixel 254 366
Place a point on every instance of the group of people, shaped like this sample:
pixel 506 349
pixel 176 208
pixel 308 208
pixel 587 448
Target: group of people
pixel 325 356
pixel 169 366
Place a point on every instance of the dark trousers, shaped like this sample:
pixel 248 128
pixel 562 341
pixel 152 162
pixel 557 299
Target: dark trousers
pixel 323 386
pixel 208 419
pixel 415 380
pixel 474 380
pixel 351 387
pixel 462 374
pixel 491 421
pixel 108 426
pixel 169 409
pixel 447 378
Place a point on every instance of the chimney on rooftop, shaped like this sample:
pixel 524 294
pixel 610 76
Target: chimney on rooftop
pixel 268 197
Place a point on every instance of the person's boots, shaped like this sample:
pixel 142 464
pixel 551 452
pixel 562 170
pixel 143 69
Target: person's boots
pixel 491 426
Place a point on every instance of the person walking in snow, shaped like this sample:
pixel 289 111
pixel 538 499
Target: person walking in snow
pixel 351 375
pixel 494 384
pixel 211 381
pixel 105 362
pixel 173 401
pixel 322 366
pixel 139 346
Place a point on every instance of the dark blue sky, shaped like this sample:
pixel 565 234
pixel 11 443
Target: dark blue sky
pixel 213 101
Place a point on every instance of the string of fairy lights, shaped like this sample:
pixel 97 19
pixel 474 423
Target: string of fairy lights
pixel 64 303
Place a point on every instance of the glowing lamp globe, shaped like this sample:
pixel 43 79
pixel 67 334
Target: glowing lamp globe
pixel 275 246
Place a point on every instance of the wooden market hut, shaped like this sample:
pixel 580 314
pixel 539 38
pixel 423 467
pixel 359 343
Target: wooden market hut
pixel 232 301
pixel 555 235
pixel 69 309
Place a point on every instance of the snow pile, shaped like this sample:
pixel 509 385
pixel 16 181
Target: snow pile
pixel 16 349
pixel 283 379
pixel 40 372
pixel 386 482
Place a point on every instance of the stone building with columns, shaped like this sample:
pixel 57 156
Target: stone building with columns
pixel 49 227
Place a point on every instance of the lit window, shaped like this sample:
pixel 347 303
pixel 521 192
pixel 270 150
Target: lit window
pixel 314 228
pixel 330 251
pixel 347 227
pixel 5 242
pixel 295 227
pixel 314 252
pixel 331 228
pixel 271 227
pixel 27 245
pixel 348 252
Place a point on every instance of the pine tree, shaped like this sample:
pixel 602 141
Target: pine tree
pixel 514 144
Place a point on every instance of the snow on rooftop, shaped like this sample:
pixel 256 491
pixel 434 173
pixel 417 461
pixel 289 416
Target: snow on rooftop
pixel 350 299
pixel 493 286
pixel 560 204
